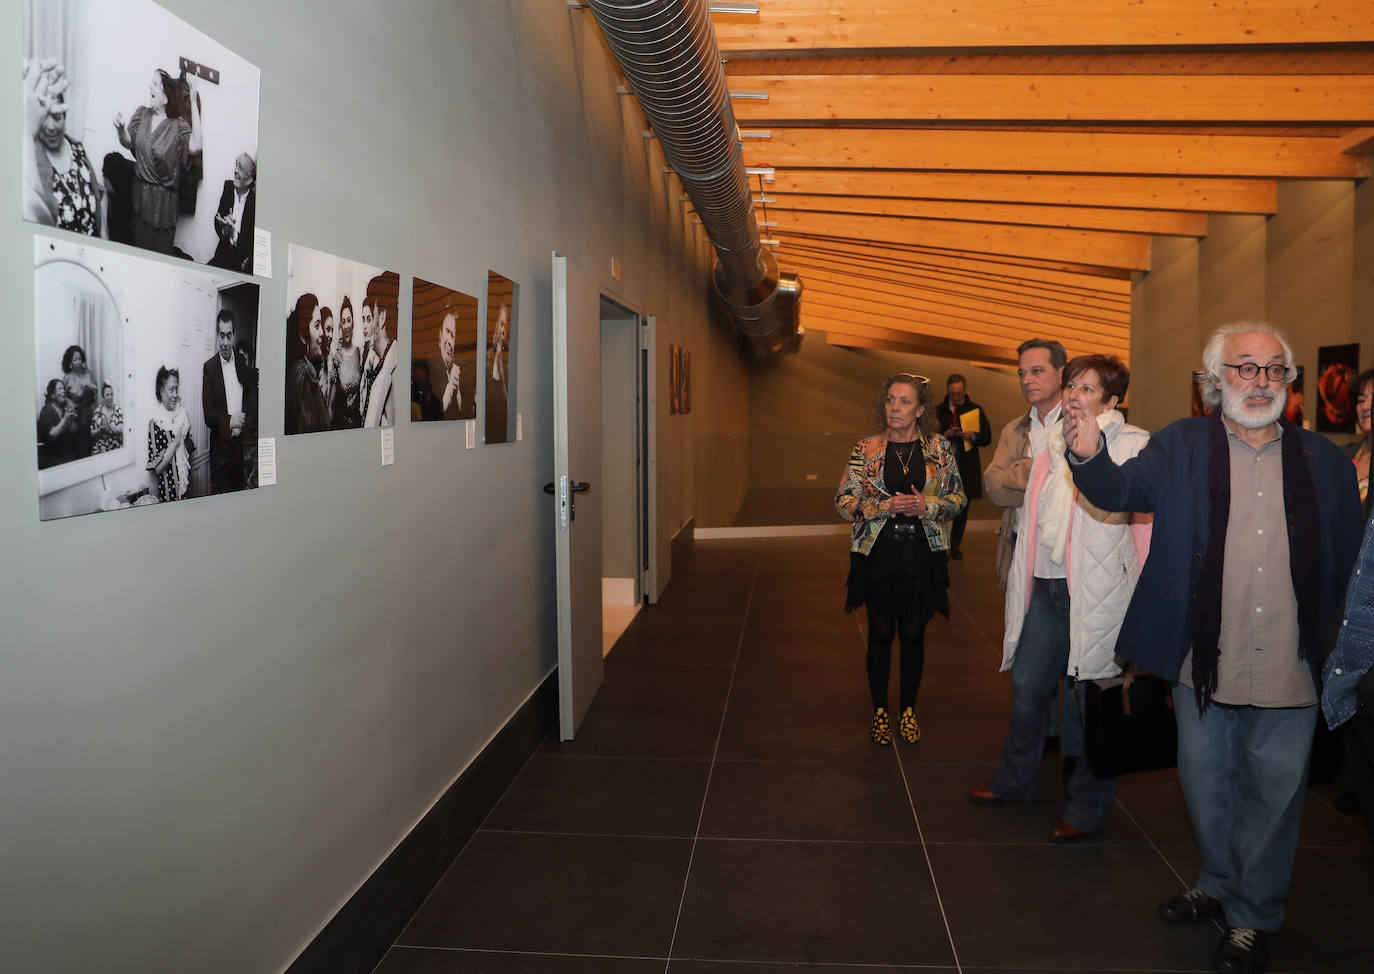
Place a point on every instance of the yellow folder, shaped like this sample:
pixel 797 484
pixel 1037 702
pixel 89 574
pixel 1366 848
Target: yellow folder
pixel 970 422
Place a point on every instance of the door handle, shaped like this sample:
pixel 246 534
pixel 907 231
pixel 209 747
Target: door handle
pixel 548 488
pixel 575 487
pixel 578 487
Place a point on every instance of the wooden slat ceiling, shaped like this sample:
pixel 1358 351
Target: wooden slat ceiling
pixel 955 178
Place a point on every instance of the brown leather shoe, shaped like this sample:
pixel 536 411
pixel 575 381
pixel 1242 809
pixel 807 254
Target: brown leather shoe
pixel 1064 832
pixel 984 796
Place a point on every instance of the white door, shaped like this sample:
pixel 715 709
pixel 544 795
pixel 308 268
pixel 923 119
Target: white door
pixel 577 500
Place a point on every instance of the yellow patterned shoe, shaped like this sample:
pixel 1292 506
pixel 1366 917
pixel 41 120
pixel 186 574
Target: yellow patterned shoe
pixel 882 730
pixel 907 726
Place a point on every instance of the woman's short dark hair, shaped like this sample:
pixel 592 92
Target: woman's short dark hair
pixel 49 393
pixel 104 386
pixel 1111 372
pixel 301 315
pixel 178 94
pixel 163 374
pixel 325 312
pixel 67 357
pixel 1363 379
pixel 929 424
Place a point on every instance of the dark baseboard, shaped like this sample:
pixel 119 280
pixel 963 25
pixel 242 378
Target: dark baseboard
pixel 361 933
pixel 680 548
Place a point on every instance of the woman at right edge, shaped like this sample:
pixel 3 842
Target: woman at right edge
pixel 901 489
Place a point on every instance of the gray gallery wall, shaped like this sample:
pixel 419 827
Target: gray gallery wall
pixel 806 412
pixel 217 717
pixel 1309 269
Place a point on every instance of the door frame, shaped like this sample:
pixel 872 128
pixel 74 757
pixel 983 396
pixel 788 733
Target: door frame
pixel 646 447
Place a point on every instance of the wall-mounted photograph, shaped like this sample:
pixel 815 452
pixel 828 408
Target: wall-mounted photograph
pixel 674 379
pixel 1293 409
pixel 1337 366
pixel 138 128
pixel 443 353
pixel 684 381
pixel 342 319
pixel 499 367
pixel 147 380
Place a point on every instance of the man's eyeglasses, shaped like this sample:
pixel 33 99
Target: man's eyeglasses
pixel 1276 373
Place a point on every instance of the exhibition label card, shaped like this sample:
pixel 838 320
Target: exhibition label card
pixel 519 427
pixel 388 446
pixel 472 433
pixel 267 461
pixel 262 252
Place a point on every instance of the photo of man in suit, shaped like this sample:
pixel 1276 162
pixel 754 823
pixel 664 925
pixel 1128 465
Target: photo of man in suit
pixel 227 384
pixel 234 220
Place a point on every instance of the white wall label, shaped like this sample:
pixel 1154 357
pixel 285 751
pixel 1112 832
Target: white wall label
pixel 472 433
pixel 267 461
pixel 388 446
pixel 262 252
pixel 519 426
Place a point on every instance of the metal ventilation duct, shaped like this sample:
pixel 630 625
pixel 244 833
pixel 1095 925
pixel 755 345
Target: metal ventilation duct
pixel 667 50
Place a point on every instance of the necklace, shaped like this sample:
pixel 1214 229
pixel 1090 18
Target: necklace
pixel 911 455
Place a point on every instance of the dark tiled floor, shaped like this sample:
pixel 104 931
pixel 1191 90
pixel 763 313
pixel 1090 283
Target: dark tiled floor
pixel 722 812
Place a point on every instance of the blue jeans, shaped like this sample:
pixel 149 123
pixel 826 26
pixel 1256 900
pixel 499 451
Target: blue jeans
pixel 1244 777
pixel 1042 655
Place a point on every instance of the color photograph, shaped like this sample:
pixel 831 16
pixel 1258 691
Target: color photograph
pixel 341 325
pixel 1337 366
pixel 147 380
pixel 500 361
pixel 138 128
pixel 443 353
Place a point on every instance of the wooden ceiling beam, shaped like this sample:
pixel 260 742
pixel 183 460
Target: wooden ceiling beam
pixel 1093 247
pixel 1007 271
pixel 934 339
pixel 1358 142
pixel 1019 290
pixel 1049 189
pixel 942 347
pixel 1172 222
pixel 815 270
pixel 800 27
pixel 1057 98
pixel 956 323
pixel 986 308
pixel 1085 152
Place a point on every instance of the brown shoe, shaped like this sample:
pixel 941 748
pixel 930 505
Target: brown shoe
pixel 984 796
pixel 1064 832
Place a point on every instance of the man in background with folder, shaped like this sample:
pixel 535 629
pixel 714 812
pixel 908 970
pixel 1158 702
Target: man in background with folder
pixel 964 423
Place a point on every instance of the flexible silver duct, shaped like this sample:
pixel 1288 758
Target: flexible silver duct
pixel 667 50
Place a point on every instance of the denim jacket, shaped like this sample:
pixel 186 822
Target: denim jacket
pixel 1350 661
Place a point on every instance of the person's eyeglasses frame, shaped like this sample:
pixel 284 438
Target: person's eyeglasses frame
pixel 1255 370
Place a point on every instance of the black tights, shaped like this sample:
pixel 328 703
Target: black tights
pixel 912 633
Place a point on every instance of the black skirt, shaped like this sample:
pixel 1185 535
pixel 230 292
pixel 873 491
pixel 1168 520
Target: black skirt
pixel 901 578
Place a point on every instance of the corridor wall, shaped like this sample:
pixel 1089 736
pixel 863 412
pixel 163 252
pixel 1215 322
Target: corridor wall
pixel 217 718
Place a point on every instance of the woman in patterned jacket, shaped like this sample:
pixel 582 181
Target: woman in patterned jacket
pixel 901 489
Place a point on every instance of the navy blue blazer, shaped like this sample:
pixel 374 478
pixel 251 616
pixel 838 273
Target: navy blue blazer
pixel 1170 478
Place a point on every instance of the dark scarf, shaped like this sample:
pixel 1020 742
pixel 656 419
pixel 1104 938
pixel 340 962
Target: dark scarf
pixel 1304 551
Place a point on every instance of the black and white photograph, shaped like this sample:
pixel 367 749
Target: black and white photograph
pixel 443 353
pixel 499 367
pixel 342 320
pixel 147 380
pixel 138 128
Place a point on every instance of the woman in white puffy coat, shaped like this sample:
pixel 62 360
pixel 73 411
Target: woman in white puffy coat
pixel 1072 575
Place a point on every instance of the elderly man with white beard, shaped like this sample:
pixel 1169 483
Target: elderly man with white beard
pixel 1256 528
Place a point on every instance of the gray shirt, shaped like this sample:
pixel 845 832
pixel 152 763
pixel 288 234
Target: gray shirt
pixel 1258 665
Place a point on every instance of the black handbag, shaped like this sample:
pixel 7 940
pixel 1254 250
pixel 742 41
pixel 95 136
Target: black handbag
pixel 1129 725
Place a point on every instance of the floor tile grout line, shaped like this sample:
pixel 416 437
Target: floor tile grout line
pixel 467 842
pixel 710 772
pixel 1159 852
pixel 925 851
